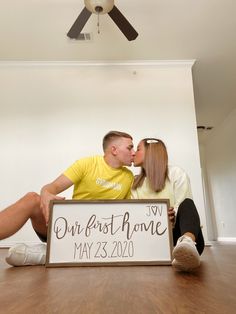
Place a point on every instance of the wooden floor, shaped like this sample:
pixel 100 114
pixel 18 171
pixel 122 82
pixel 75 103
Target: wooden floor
pixel 123 290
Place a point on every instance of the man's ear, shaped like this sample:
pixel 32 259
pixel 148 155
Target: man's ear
pixel 113 150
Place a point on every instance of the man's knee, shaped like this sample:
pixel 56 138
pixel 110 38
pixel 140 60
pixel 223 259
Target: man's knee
pixel 32 198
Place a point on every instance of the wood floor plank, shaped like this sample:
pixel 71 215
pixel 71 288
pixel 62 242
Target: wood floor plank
pixel 129 290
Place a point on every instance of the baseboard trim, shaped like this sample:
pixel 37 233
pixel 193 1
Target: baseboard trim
pixel 6 244
pixel 226 239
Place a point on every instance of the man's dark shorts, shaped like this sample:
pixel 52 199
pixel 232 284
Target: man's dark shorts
pixel 41 237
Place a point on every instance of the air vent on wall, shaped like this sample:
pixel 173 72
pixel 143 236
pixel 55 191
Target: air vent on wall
pixel 204 128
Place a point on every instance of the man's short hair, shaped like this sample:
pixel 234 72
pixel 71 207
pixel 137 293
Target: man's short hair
pixel 110 136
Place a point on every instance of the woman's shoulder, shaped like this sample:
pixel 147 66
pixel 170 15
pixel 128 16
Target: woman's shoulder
pixel 175 172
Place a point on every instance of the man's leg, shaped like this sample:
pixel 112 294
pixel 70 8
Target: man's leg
pixel 15 216
pixel 12 219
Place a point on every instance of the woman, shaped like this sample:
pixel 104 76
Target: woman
pixel 157 180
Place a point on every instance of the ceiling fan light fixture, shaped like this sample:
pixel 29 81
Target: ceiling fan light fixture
pixel 99 6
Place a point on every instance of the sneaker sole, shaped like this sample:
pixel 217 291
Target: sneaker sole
pixel 18 256
pixel 185 258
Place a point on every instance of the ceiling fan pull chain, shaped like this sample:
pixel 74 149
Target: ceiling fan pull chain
pixel 98 10
pixel 98 23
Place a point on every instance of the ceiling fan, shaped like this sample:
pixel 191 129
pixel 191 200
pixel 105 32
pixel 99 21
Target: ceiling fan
pixel 102 7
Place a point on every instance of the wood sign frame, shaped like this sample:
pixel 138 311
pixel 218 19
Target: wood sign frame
pixel 109 232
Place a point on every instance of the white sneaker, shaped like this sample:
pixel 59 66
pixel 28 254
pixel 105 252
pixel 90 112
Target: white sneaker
pixel 22 254
pixel 186 256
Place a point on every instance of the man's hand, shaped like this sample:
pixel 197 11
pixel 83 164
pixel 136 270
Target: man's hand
pixel 46 197
pixel 49 193
pixel 171 214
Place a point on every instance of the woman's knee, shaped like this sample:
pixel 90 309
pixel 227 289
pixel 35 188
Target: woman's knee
pixel 187 202
pixel 186 207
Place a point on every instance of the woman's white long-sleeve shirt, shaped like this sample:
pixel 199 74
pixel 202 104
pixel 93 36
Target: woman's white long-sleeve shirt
pixel 177 188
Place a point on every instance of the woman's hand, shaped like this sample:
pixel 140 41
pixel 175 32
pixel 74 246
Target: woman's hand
pixel 171 214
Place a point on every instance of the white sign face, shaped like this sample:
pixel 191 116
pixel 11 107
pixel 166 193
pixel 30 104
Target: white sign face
pixel 84 233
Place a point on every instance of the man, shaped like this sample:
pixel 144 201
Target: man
pixel 97 177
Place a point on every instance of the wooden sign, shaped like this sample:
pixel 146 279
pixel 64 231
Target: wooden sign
pixel 123 232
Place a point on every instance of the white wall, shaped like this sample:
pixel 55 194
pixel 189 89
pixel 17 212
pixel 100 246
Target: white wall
pixel 220 165
pixel 55 113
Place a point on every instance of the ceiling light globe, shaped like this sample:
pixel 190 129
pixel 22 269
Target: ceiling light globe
pixel 106 5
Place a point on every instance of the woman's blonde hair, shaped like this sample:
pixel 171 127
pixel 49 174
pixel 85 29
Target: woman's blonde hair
pixel 155 165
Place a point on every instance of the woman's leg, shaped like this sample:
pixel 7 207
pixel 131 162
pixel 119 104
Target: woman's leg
pixel 187 221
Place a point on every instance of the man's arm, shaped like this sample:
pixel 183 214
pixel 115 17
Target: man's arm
pixel 49 192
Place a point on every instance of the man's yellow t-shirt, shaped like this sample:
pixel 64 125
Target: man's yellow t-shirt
pixel 94 179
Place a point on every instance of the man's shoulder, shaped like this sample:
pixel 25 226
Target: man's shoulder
pixel 128 171
pixel 92 159
pixel 86 162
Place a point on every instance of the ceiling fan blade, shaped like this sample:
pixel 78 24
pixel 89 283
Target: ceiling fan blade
pixel 123 24
pixel 79 23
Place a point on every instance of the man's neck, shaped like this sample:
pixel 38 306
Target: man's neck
pixel 112 162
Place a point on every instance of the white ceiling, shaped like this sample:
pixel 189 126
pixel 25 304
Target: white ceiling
pixel 203 30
